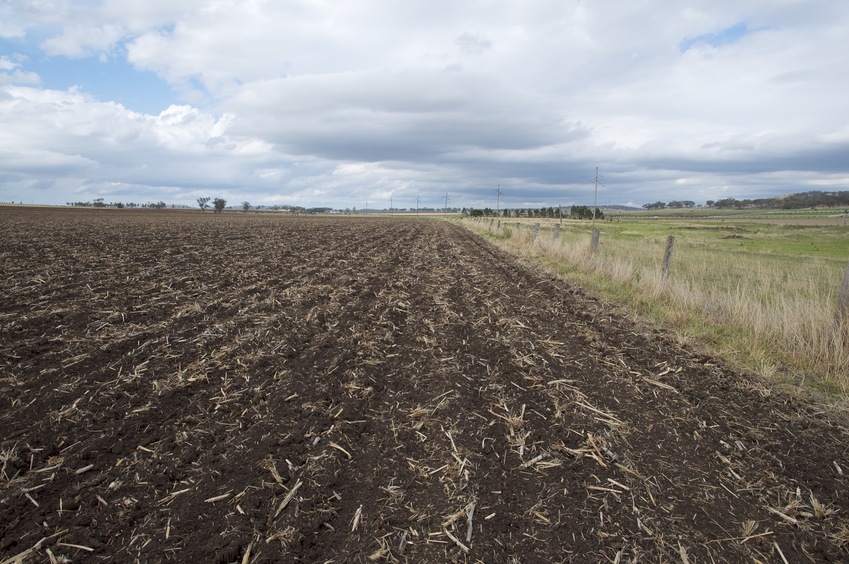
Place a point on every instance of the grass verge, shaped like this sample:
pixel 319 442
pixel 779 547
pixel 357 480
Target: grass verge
pixel 760 296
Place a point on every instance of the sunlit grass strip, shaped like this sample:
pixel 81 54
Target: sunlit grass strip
pixel 772 313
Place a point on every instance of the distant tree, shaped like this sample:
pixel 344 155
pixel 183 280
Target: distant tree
pixel 765 203
pixel 675 204
pixel 219 204
pixel 654 206
pixel 246 206
pixel 98 203
pixel 585 212
pixel 203 203
pixel 581 212
pixel 709 203
pixel 727 203
pixel 689 203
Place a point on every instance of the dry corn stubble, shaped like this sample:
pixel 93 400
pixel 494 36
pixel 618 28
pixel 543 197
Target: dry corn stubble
pixel 257 388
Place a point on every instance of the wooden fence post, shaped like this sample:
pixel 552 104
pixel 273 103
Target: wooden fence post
pixel 843 297
pixel 556 232
pixel 594 241
pixel 667 258
pixel 535 232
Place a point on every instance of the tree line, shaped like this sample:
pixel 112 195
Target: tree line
pixel 100 203
pixel 813 199
pixel 216 204
pixel 575 212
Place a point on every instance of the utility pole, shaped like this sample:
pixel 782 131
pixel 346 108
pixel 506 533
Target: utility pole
pixel 391 208
pixel 498 194
pixel 595 199
pixel 445 209
pixel 417 205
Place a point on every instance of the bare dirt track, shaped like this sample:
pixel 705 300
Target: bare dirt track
pixel 243 388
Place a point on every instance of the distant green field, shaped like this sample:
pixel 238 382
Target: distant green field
pixel 807 234
pixel 729 213
pixel 827 240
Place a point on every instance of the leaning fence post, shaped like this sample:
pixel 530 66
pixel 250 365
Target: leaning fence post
pixel 594 240
pixel 843 297
pixel 667 258
pixel 556 232
pixel 535 232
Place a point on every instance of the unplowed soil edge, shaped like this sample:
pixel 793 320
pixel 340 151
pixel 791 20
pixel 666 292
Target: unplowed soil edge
pixel 193 387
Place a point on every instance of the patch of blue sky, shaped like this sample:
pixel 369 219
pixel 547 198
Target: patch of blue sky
pixel 110 79
pixel 727 35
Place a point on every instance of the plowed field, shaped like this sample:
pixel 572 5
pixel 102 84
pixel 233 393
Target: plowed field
pixel 240 388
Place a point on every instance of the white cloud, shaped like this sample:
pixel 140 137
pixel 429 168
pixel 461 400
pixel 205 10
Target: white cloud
pixel 19 16
pixel 103 144
pixel 11 73
pixel 81 40
pixel 339 101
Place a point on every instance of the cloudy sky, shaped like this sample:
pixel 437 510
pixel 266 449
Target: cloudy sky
pixel 342 102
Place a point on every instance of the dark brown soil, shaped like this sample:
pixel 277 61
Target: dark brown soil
pixel 244 388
